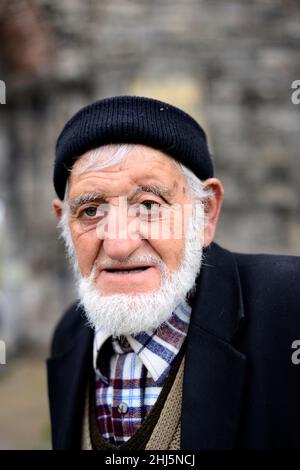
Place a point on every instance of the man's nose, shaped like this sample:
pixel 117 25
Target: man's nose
pixel 121 249
pixel 121 237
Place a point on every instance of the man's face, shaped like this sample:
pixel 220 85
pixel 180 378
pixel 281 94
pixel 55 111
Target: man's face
pixel 134 178
pixel 134 302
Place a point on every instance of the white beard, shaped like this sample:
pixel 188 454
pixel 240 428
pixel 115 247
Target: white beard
pixel 130 314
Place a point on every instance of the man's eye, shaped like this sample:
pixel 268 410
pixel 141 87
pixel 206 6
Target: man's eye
pixel 90 211
pixel 149 204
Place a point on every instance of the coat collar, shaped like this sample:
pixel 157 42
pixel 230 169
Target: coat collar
pixel 214 369
pixel 217 303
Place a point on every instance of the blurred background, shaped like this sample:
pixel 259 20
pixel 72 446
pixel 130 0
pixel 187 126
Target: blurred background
pixel 229 64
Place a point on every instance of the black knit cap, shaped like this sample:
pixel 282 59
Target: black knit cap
pixel 132 120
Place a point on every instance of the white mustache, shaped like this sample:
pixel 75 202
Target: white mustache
pixel 131 261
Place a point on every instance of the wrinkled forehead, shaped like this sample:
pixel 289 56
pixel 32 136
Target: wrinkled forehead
pixel 125 164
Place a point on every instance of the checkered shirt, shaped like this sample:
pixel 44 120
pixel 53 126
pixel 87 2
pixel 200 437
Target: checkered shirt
pixel 130 373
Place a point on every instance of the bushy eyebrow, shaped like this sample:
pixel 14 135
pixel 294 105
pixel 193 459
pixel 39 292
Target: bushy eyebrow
pixel 94 196
pixel 158 190
pixel 84 198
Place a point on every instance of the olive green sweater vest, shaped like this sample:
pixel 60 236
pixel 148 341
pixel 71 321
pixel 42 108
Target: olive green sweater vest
pixel 161 430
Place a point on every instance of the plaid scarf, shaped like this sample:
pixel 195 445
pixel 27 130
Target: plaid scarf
pixel 130 372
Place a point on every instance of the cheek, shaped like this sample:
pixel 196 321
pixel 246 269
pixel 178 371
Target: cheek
pixel 170 251
pixel 87 246
pixel 171 244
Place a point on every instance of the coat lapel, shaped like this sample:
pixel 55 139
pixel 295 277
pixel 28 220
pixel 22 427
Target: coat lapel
pixel 67 381
pixel 214 370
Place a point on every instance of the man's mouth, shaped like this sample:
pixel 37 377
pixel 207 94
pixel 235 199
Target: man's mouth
pixel 127 270
pixel 121 278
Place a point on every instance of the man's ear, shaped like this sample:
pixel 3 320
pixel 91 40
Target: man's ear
pixel 212 208
pixel 57 206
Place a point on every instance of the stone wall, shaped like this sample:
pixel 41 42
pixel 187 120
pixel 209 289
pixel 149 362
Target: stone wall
pixel 230 64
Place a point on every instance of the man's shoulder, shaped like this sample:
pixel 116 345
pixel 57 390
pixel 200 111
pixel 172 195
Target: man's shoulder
pixel 276 265
pixel 268 287
pixel 270 291
pixel 269 283
pixel 67 328
pixel 279 271
pixel 266 260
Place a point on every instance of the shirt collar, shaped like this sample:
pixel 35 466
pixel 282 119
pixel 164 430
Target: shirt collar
pixel 156 350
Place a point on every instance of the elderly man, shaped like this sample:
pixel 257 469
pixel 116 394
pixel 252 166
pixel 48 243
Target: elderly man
pixel 174 342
